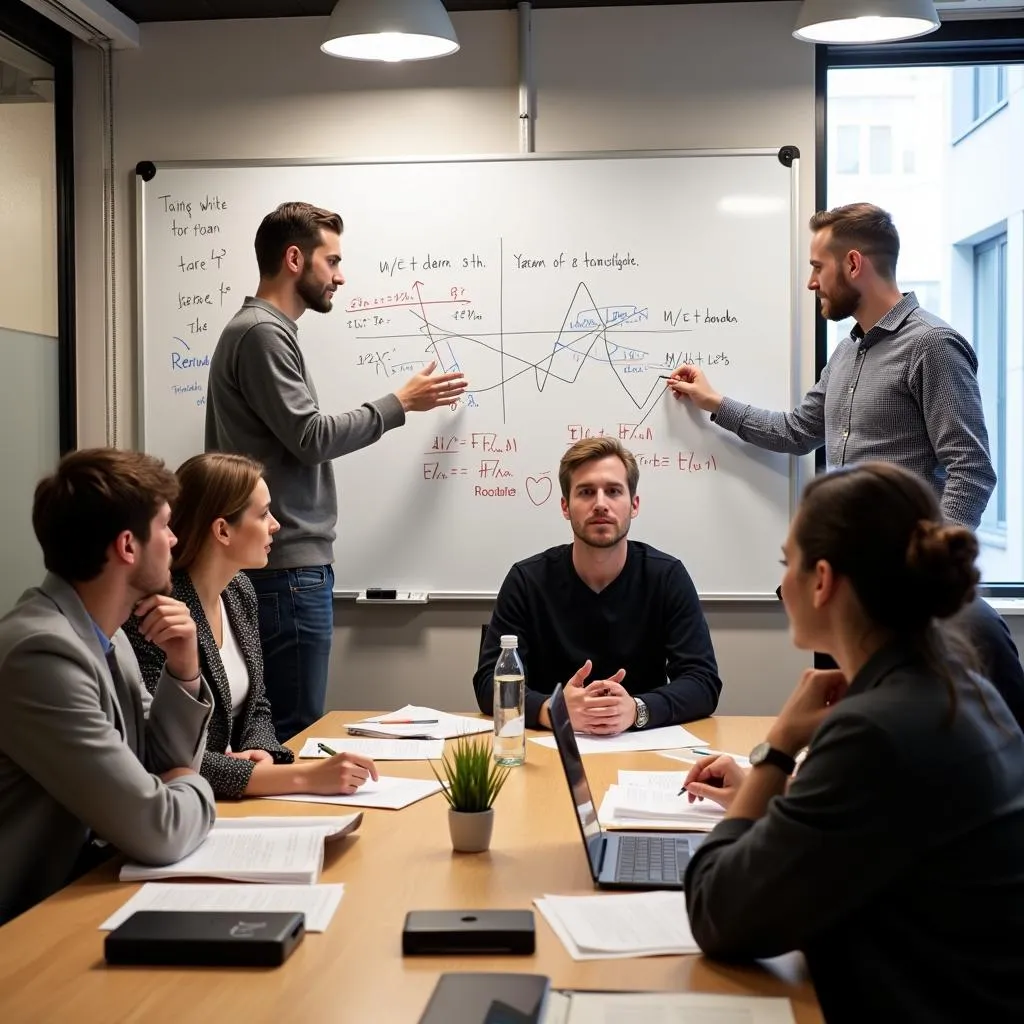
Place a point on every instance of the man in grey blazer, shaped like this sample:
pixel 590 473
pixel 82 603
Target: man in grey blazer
pixel 88 760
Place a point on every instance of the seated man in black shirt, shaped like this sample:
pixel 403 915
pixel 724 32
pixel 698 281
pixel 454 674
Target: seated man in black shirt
pixel 616 620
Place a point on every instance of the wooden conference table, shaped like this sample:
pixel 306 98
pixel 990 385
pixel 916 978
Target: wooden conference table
pixel 51 958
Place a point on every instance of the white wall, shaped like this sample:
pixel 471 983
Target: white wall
pixel 607 78
pixel 28 219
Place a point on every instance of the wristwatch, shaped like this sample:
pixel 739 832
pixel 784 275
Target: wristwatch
pixel 764 753
pixel 643 713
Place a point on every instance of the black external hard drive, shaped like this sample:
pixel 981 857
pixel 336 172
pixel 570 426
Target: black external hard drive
pixel 468 931
pixel 205 938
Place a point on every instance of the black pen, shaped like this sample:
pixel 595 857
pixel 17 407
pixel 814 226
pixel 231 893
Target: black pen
pixel 713 781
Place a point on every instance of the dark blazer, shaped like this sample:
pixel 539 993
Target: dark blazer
pixel 987 630
pixel 895 861
pixel 254 728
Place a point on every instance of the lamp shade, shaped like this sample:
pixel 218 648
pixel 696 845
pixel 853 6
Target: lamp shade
pixel 864 21
pixel 390 30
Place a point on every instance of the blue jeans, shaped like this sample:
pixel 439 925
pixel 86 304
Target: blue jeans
pixel 296 619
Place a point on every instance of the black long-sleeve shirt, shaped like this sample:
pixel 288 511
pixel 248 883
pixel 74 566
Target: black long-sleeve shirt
pixel 895 861
pixel 648 620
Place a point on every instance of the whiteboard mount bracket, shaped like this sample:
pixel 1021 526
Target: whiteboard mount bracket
pixel 146 170
pixel 787 154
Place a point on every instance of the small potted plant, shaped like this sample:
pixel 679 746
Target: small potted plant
pixel 471 781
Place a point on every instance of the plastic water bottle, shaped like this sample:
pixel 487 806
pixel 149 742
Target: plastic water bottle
pixel 509 704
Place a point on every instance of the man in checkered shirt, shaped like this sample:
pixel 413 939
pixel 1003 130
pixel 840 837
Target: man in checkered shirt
pixel 902 387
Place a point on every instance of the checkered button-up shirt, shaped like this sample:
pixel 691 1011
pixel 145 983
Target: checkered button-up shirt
pixel 904 392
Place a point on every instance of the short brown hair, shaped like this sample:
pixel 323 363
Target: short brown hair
pixel 589 450
pixel 93 496
pixel 213 486
pixel 866 228
pixel 292 224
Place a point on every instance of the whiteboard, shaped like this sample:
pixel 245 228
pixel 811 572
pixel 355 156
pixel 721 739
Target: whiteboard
pixel 563 286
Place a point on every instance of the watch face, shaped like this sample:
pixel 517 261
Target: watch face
pixel 759 753
pixel 642 714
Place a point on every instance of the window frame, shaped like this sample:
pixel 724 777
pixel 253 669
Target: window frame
pixel 954 43
pixel 34 32
pixel 995 533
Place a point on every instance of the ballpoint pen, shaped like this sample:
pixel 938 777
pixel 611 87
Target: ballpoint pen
pixel 718 783
pixel 326 749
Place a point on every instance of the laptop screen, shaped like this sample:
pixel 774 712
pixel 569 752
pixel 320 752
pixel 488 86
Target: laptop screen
pixel 576 777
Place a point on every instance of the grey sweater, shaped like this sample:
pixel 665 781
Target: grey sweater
pixel 261 402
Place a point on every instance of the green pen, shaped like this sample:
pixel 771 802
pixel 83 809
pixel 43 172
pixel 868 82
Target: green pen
pixel 326 749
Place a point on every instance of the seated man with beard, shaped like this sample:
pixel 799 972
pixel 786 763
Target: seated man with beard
pixel 615 620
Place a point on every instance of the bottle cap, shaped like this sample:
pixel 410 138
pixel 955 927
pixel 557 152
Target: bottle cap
pixel 508 640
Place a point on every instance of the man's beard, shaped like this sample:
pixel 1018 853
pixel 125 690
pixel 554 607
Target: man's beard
pixel 843 302
pixel 312 294
pixel 601 544
pixel 146 581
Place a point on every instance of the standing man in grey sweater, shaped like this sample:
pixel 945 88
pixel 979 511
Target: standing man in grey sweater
pixel 261 402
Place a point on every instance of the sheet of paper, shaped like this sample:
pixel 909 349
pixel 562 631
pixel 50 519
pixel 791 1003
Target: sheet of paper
pixel 663 782
pixel 387 792
pixel 378 749
pixel 447 726
pixel 665 738
pixel 618 927
pixel 286 855
pixel 671 1008
pixel 332 826
pixel 317 902
pixel 701 817
pixel 694 754
pixel 639 803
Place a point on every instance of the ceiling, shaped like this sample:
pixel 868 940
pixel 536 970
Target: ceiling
pixel 204 10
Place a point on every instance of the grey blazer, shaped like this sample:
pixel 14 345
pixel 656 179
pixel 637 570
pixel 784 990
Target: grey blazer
pixel 254 727
pixel 79 759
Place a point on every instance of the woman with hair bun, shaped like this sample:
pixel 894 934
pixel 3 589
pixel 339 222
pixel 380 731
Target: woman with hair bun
pixel 895 858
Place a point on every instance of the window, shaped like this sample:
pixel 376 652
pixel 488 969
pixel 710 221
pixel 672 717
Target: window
pixel 880 138
pixel 848 149
pixel 990 346
pixel 978 92
pixel 961 224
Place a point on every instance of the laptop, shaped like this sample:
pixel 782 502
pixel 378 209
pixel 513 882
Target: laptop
pixel 618 860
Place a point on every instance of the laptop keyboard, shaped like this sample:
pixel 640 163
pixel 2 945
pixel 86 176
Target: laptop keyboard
pixel 652 859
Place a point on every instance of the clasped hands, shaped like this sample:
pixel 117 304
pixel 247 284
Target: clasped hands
pixel 603 707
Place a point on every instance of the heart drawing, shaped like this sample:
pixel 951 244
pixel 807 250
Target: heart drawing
pixel 538 489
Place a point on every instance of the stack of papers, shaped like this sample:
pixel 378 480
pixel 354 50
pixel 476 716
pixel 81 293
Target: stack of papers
pixel 390 793
pixel 284 850
pixel 665 738
pixel 664 1008
pixel 651 800
pixel 619 927
pixel 317 902
pixel 422 724
pixel 379 750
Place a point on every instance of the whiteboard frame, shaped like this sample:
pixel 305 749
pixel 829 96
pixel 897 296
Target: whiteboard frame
pixel 795 336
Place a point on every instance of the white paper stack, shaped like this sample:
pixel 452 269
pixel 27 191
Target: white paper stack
pixel 426 724
pixel 664 1008
pixel 667 737
pixel 619 927
pixel 651 800
pixel 278 850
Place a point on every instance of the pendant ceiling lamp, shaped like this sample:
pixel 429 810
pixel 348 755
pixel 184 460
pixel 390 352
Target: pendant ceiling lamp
pixel 864 21
pixel 389 30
